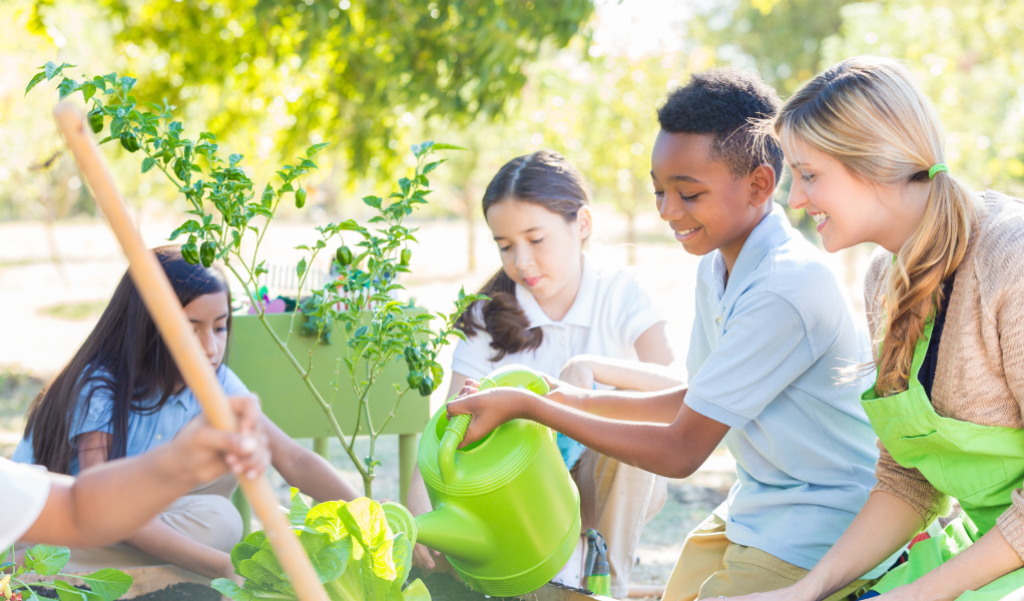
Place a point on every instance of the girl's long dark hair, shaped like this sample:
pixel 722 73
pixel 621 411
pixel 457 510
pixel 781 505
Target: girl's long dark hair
pixel 124 356
pixel 543 178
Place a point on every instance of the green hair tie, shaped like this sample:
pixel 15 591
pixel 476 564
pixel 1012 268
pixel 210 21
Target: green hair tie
pixel 937 167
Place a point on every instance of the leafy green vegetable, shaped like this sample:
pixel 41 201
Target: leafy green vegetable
pixel 46 560
pixel 356 553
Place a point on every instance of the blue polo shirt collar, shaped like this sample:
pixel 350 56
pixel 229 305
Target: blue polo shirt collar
pixel 774 229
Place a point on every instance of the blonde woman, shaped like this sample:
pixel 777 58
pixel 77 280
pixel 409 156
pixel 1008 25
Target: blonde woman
pixel 867 154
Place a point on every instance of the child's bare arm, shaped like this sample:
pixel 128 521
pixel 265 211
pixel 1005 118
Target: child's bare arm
pixel 582 371
pixel 673 448
pixel 109 502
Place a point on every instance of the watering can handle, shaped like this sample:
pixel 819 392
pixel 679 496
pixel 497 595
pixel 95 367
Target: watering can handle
pixel 516 376
pixel 453 436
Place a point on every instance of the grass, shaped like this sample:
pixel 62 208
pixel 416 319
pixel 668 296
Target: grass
pixel 17 389
pixel 75 311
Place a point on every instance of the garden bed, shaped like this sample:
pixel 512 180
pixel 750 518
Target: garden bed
pixel 166 583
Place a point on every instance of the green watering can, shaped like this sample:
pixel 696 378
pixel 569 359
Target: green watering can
pixel 507 513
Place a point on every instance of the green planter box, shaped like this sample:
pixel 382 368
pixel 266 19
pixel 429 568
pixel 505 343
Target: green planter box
pixel 258 361
pixel 261 365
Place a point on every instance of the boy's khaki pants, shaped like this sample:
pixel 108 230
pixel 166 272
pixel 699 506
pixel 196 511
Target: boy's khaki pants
pixel 710 566
pixel 617 500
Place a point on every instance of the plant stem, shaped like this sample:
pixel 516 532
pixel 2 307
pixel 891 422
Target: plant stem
pixel 349 450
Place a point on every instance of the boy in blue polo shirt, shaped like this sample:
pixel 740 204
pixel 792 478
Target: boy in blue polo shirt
pixel 773 330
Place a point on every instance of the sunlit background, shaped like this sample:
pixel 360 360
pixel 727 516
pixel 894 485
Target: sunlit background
pixel 500 78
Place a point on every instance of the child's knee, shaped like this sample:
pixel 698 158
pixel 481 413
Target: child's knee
pixel 209 519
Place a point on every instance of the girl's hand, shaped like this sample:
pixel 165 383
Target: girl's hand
pixel 205 453
pixel 577 372
pixel 490 409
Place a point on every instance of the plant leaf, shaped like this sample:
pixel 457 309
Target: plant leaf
pixel 246 549
pixel 314 149
pixel 148 163
pixel 66 592
pixel 46 560
pixel 256 569
pixel 231 590
pixel 401 554
pixel 67 87
pixel 329 558
pixel 324 518
pixel 108 583
pixel 364 520
pixel 299 508
pixel 416 591
pixel 301 267
pixel 35 81
pixel 441 146
pixel 375 588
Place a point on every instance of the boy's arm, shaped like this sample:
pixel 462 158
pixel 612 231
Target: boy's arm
pixel 109 502
pixel 673 449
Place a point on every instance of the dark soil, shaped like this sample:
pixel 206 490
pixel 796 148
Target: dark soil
pixel 445 587
pixel 184 591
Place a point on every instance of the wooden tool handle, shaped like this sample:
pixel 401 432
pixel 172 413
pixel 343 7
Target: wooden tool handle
pixel 194 365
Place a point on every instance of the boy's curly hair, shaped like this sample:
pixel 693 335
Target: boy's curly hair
pixel 726 103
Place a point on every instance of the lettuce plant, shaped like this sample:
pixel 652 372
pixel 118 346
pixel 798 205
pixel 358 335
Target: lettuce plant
pixel 356 551
pixel 47 560
pixel 226 210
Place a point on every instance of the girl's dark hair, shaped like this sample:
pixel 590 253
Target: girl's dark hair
pixel 543 178
pixel 126 357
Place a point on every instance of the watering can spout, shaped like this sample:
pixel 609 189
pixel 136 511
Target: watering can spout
pixel 456 534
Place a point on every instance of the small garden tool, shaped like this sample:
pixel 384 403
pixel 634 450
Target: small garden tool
pixel 595 567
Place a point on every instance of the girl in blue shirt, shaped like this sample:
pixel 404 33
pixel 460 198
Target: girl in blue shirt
pixel 122 395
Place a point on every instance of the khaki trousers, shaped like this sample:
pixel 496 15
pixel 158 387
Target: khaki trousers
pixel 205 515
pixel 710 566
pixel 617 500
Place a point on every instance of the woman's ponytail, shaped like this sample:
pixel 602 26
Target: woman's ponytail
pixel 913 290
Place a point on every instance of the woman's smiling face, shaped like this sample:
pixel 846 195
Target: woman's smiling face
pixel 847 209
pixel 539 249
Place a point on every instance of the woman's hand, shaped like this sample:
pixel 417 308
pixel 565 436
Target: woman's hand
pixel 489 408
pixel 206 453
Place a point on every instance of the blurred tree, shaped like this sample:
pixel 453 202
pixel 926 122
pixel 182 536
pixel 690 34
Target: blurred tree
pixel 602 114
pixel 348 71
pixel 780 38
pixel 969 60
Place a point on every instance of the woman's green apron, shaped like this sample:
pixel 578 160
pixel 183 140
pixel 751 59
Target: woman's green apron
pixel 980 466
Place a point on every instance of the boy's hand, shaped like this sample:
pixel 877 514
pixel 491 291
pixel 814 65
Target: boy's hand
pixel 205 453
pixel 490 408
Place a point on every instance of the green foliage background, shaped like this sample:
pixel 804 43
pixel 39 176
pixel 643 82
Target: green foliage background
pixel 501 78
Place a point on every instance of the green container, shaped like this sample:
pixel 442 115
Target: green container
pixel 259 363
pixel 507 513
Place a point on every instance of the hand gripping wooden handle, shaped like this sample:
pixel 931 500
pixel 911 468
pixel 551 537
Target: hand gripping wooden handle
pixel 170 319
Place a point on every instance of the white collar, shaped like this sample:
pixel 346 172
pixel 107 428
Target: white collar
pixel 581 311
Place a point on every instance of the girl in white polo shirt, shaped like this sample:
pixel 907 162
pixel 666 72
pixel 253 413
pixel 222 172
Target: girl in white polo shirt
pixel 551 303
